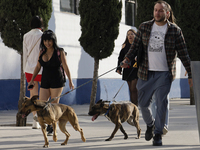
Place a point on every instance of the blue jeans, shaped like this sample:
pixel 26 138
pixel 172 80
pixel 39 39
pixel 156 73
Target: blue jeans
pixel 157 85
pixel 154 107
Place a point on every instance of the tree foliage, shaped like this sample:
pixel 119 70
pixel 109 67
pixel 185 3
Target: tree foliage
pixel 15 17
pixel 190 25
pixel 100 26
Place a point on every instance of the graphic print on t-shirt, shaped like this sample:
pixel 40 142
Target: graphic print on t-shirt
pixel 156 49
pixel 156 42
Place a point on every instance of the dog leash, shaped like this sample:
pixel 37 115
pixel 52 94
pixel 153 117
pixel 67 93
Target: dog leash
pixel 53 99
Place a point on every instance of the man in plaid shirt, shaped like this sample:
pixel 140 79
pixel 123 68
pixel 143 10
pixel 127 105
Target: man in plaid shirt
pixel 162 42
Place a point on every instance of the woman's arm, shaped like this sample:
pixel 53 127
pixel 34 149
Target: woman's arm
pixel 120 59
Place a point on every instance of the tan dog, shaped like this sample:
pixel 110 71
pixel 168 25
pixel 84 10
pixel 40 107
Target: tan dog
pixel 117 113
pixel 51 115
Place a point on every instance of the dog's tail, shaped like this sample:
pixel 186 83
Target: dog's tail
pixel 136 112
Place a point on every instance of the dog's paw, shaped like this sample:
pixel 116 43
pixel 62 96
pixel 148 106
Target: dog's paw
pixel 55 138
pixel 45 146
pixel 126 137
pixel 108 139
pixel 63 143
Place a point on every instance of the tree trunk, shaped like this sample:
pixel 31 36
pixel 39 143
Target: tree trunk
pixel 94 83
pixel 19 120
pixel 192 100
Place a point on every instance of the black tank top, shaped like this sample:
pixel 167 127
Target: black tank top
pixel 52 76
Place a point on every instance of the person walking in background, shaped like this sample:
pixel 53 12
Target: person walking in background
pixel 52 59
pixel 171 18
pixel 31 50
pixel 129 74
pixel 162 42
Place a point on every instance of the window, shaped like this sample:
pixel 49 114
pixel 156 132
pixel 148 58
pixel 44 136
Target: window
pixel 69 6
pixel 130 12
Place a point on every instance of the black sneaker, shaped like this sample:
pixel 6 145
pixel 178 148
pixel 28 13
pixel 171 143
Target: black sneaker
pixel 157 140
pixel 149 133
pixel 49 127
pixel 50 131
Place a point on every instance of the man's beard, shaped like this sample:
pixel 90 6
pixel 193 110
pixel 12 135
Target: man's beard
pixel 162 19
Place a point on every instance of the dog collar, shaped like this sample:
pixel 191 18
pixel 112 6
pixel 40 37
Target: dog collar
pixel 108 109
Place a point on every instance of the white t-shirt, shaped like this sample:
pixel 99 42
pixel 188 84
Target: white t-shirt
pixel 31 41
pixel 156 49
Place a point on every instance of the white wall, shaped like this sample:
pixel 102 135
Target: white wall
pixel 68 30
pixel 10 63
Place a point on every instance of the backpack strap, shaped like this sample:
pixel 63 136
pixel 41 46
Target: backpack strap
pixel 58 53
pixel 33 48
pixel 61 67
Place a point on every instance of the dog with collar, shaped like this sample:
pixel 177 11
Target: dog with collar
pixel 117 113
pixel 52 114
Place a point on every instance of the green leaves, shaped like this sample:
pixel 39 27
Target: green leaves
pixel 100 26
pixel 190 25
pixel 15 17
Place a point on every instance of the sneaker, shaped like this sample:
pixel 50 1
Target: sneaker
pixel 165 130
pixel 35 125
pixel 157 140
pixel 149 133
pixel 48 127
pixel 50 130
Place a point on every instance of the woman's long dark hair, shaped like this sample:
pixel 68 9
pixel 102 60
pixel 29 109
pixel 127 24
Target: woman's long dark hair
pixel 126 40
pixel 49 35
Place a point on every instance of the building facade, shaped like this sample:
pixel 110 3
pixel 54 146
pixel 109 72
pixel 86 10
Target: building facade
pixel 65 22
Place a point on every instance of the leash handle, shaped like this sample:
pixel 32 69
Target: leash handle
pixel 129 63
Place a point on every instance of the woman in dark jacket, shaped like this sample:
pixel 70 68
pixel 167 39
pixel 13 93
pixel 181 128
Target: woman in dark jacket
pixel 129 74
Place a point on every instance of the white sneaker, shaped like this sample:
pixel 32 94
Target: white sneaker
pixel 165 130
pixel 35 125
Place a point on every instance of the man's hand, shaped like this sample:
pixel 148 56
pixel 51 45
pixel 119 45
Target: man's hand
pixel 124 63
pixel 190 82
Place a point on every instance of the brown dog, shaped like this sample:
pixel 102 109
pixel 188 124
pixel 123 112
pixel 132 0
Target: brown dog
pixel 117 113
pixel 50 115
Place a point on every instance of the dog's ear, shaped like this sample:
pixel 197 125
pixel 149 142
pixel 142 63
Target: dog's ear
pixel 34 98
pixel 99 101
pixel 25 98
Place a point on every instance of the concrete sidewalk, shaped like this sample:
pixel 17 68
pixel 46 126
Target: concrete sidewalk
pixel 182 135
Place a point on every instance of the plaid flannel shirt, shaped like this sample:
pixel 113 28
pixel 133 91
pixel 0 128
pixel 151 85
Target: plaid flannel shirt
pixel 174 46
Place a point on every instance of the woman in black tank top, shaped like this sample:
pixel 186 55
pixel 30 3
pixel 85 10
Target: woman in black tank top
pixel 52 59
